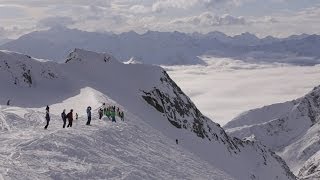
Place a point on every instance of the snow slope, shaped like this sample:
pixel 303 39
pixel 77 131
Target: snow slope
pixel 290 128
pixel 125 150
pixel 169 48
pixel 142 147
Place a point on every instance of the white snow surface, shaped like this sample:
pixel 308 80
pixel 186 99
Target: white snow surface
pixel 105 150
pixel 141 147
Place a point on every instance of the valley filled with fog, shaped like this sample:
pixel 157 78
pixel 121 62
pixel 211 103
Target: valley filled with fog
pixel 225 88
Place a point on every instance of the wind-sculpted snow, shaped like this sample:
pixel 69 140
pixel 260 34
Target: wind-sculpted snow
pixel 157 113
pixel 291 128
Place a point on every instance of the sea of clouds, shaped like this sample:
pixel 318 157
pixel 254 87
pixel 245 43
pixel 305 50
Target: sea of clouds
pixel 225 87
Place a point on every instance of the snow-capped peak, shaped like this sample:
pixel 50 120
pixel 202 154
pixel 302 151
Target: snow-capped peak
pixel 133 60
pixel 93 57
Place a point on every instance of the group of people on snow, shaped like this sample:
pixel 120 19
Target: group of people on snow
pixel 66 117
pixel 111 112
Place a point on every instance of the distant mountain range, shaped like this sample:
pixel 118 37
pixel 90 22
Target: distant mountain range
pixel 170 48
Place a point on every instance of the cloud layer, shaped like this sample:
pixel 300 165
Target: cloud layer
pixel 208 19
pixel 226 88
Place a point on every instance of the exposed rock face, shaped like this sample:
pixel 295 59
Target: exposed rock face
pixel 182 113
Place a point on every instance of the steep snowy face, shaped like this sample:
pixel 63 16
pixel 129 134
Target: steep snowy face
pixel 311 168
pixel 27 81
pixel 310 105
pixel 169 100
pixel 21 70
pixel 290 128
pixel 154 99
pixel 277 125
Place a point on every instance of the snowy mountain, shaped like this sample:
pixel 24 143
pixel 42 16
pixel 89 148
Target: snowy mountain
pixel 150 48
pixel 3 41
pixel 157 112
pixel 291 129
pixel 169 48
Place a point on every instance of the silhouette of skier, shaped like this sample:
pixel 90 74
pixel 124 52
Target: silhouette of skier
pixel 89 115
pixel 113 115
pixel 100 113
pixel 64 118
pixel 8 102
pixel 122 115
pixel 47 118
pixel 70 118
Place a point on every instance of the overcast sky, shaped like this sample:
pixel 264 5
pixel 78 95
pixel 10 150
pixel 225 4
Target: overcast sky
pixel 262 17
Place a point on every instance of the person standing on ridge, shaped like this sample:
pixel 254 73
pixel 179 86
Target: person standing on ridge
pixel 104 107
pixel 100 113
pixel 89 115
pixel 113 115
pixel 47 118
pixel 122 115
pixel 105 111
pixel 47 108
pixel 108 112
pixel 64 118
pixel 8 102
pixel 70 118
pixel 76 116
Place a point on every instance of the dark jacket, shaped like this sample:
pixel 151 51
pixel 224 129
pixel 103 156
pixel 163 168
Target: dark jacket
pixel 89 111
pixel 63 115
pixel 70 116
pixel 47 116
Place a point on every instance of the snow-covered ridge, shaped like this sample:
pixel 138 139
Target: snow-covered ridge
pixel 19 69
pixel 170 48
pixel 151 101
pixel 290 128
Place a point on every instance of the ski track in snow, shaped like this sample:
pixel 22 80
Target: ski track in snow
pixel 122 150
